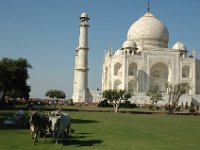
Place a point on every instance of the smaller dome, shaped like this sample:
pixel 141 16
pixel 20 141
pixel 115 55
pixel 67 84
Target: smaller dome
pixel 119 52
pixel 179 46
pixel 84 15
pixel 129 44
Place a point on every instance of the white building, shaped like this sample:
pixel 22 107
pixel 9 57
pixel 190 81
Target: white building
pixel 146 62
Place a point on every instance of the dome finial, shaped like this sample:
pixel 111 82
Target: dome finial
pixel 148 7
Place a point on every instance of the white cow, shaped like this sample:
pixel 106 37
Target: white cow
pixel 60 121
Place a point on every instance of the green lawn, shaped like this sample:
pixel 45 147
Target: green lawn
pixel 109 131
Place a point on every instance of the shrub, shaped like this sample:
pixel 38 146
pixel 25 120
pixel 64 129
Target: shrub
pixel 186 106
pixel 166 107
pixel 104 103
pixel 192 109
pixel 157 107
pixel 178 108
pixel 127 104
pixel 182 105
pixel 197 108
pixel 150 106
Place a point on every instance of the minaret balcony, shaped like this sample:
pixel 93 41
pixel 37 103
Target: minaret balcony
pixel 83 48
pixel 82 69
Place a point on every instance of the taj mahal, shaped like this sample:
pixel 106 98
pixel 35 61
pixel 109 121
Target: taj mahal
pixel 144 62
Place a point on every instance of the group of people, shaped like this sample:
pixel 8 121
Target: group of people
pixel 18 119
pixel 19 116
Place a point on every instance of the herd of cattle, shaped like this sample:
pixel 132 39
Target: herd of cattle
pixel 55 123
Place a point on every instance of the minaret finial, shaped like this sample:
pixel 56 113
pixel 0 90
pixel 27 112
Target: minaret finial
pixel 148 7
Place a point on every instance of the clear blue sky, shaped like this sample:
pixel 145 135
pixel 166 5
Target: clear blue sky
pixel 46 32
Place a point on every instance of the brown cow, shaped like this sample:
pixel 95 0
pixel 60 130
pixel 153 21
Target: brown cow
pixel 38 124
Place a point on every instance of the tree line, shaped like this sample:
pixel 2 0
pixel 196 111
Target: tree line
pixel 175 91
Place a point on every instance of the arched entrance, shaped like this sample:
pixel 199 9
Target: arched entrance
pixel 159 77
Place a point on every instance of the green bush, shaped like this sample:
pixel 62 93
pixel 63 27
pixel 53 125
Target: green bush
pixel 186 106
pixel 192 109
pixel 104 103
pixel 127 104
pixel 178 108
pixel 157 107
pixel 197 108
pixel 150 106
pixel 166 107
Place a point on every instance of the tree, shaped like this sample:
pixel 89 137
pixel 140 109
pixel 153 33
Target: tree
pixel 155 96
pixel 13 78
pixel 115 97
pixel 175 92
pixel 55 94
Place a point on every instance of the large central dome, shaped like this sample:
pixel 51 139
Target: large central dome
pixel 148 32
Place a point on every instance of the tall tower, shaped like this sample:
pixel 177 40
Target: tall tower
pixel 80 89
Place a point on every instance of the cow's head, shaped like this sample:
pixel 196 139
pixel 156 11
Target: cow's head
pixel 33 116
pixel 54 118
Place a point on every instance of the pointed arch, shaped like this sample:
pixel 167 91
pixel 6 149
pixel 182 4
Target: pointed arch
pixel 186 71
pixel 132 86
pixel 117 69
pixel 159 73
pixel 132 69
pixel 117 84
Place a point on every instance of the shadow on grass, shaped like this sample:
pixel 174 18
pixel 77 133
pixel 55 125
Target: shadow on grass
pixel 78 143
pixel 13 127
pixel 80 139
pixel 79 121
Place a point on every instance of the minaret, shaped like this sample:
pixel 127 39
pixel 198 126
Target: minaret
pixel 81 92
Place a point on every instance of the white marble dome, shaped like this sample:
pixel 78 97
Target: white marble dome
pixel 129 44
pixel 179 46
pixel 84 15
pixel 148 32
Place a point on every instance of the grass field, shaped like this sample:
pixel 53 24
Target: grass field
pixel 109 131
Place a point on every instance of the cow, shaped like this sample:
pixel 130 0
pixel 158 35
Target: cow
pixel 38 124
pixel 60 121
